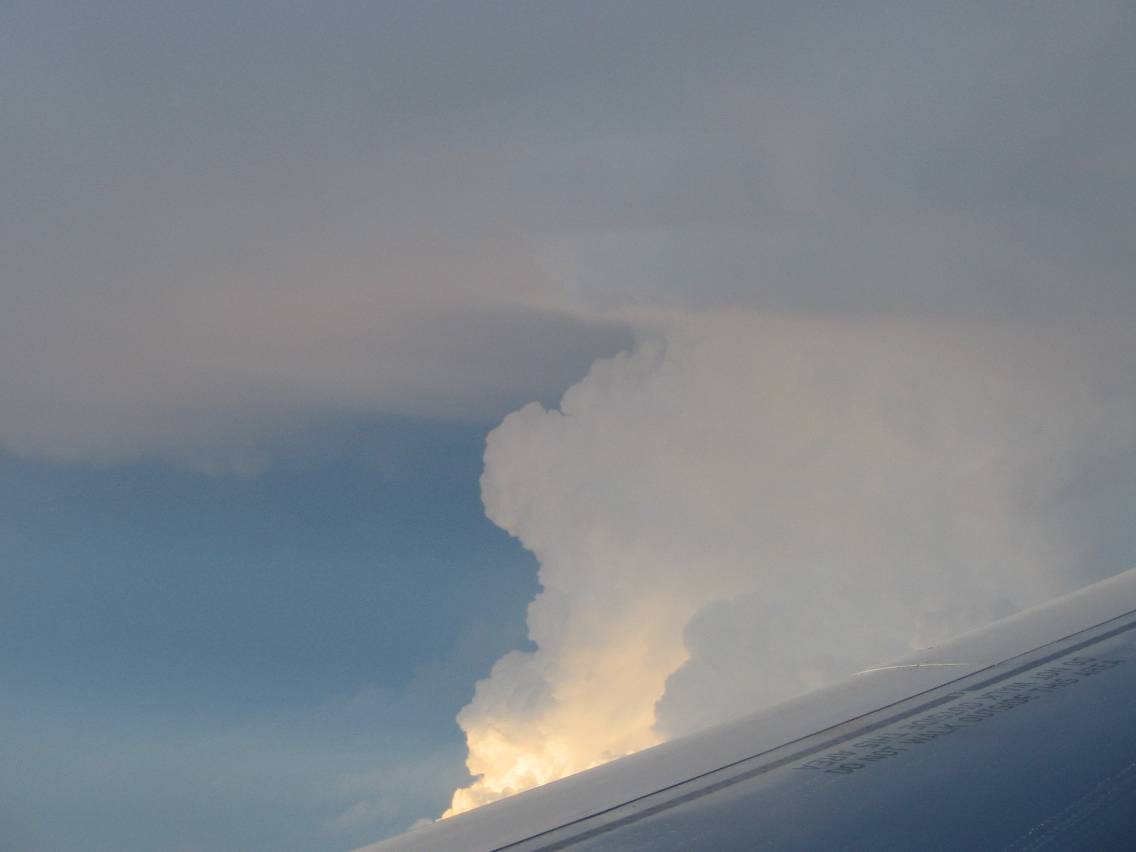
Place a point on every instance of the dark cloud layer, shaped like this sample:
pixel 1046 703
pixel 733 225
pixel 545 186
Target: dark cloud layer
pixel 256 211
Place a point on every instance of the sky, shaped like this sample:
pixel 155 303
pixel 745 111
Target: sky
pixel 391 392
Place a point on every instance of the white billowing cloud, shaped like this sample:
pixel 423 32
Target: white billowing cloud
pixel 747 506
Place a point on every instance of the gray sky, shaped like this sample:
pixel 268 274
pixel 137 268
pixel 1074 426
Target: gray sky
pixel 220 220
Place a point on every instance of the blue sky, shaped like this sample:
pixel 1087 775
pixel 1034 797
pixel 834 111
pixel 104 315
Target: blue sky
pixel 147 608
pixel 840 297
pixel 266 588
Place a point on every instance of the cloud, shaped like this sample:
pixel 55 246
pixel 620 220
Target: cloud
pixel 209 241
pixel 747 506
pixel 237 316
pixel 866 252
pixel 220 381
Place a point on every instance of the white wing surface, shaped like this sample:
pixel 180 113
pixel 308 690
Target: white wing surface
pixel 1020 736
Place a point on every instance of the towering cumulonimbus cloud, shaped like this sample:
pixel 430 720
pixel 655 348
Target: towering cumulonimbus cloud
pixel 747 506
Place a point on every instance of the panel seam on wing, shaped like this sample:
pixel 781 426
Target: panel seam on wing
pixel 912 666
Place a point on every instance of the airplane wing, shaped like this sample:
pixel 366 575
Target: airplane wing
pixel 1020 736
